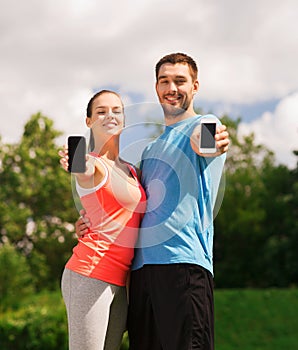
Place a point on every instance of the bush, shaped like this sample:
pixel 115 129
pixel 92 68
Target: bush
pixel 15 277
pixel 40 325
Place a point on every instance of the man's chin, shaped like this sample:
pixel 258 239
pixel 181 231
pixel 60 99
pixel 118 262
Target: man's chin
pixel 172 111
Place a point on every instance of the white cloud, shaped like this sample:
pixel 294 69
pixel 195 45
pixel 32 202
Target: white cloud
pixel 278 130
pixel 55 53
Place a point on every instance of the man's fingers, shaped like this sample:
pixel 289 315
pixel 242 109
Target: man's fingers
pixel 222 135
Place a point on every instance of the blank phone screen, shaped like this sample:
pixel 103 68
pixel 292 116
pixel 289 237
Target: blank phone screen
pixel 207 135
pixel 76 154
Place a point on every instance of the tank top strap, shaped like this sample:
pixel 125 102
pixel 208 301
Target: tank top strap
pixel 132 170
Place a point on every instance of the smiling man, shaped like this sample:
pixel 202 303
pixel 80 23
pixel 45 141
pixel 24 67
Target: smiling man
pixel 176 85
pixel 171 290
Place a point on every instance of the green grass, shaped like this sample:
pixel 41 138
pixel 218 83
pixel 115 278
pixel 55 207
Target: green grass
pixel 256 319
pixel 244 320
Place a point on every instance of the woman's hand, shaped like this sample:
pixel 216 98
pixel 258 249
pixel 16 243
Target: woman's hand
pixel 90 164
pixel 64 157
pixel 82 224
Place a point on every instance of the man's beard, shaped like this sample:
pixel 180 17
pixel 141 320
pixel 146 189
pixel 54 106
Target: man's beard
pixel 172 112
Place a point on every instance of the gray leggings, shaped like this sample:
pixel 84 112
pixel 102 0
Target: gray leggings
pixel 96 312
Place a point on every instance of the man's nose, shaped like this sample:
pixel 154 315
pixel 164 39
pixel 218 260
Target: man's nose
pixel 172 86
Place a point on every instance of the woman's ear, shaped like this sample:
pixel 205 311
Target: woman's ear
pixel 88 122
pixel 91 142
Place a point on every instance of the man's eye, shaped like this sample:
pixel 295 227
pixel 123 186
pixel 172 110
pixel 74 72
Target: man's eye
pixel 180 81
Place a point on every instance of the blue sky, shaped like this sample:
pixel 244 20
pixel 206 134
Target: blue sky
pixel 55 53
pixel 247 112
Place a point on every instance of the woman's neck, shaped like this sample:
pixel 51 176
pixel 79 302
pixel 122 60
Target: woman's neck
pixel 108 149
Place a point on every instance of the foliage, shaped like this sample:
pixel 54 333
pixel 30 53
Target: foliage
pixel 36 205
pixel 256 231
pixel 36 326
pixel 281 201
pixel 15 277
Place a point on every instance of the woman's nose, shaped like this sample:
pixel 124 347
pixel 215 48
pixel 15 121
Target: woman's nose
pixel 110 114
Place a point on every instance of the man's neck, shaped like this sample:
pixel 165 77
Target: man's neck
pixel 170 120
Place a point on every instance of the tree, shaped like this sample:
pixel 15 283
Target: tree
pixel 281 201
pixel 253 224
pixel 15 278
pixel 36 202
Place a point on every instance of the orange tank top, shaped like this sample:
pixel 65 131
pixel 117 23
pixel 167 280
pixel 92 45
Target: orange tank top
pixel 115 208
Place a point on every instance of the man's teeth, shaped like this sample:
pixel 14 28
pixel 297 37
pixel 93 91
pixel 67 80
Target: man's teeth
pixel 172 98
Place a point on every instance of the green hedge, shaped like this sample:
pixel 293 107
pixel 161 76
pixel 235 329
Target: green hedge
pixel 39 325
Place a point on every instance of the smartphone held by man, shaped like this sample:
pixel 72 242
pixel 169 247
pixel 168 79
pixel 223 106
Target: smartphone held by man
pixel 207 135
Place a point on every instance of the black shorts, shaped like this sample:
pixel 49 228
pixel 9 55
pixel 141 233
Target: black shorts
pixel 171 308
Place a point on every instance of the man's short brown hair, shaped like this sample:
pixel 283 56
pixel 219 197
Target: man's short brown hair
pixel 178 57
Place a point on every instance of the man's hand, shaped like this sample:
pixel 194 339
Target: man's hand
pixel 82 224
pixel 221 138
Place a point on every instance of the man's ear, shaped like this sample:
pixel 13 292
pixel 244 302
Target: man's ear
pixel 196 86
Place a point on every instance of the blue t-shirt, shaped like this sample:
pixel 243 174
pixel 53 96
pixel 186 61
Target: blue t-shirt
pixel 181 190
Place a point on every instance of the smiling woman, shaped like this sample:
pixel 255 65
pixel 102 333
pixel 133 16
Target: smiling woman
pixel 94 279
pixel 105 114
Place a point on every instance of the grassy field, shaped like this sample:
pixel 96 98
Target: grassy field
pixel 244 320
pixel 256 319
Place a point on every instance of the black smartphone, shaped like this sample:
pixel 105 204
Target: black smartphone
pixel 76 154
